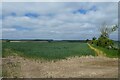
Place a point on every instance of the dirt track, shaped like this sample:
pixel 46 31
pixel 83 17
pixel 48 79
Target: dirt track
pixel 98 52
pixel 80 67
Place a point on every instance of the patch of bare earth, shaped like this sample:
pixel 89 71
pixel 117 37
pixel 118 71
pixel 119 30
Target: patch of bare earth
pixel 79 67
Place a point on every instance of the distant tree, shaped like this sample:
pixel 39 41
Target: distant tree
pixel 7 40
pixel 87 40
pixel 103 39
pixel 105 31
pixel 94 38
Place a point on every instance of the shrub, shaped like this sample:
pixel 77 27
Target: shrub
pixel 87 40
pixel 103 42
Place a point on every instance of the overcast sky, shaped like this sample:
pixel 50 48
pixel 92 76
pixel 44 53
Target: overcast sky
pixel 56 20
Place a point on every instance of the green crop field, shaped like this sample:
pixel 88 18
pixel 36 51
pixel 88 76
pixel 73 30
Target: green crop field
pixel 49 51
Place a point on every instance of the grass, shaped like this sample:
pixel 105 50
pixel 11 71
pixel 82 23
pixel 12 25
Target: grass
pixel 49 51
pixel 112 53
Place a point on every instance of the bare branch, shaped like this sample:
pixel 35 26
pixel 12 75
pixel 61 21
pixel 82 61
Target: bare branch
pixel 106 31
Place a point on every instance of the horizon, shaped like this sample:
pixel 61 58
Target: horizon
pixel 53 39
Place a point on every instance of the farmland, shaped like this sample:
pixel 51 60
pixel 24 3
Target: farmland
pixel 48 51
pixel 55 60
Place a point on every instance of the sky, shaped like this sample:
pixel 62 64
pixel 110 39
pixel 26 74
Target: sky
pixel 57 20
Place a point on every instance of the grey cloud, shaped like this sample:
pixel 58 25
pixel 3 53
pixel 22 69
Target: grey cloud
pixel 62 24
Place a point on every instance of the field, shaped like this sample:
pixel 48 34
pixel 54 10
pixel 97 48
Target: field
pixel 56 60
pixel 49 51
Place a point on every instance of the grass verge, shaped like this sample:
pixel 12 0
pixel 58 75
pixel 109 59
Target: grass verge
pixel 109 52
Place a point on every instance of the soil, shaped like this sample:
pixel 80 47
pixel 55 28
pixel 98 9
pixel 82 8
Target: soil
pixel 75 67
